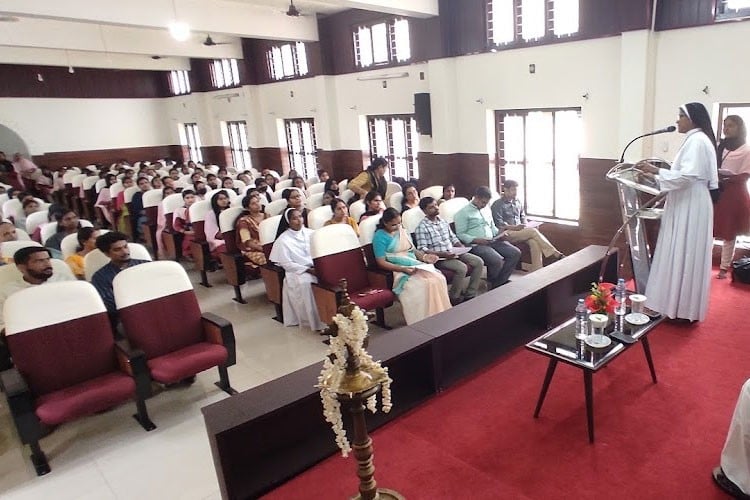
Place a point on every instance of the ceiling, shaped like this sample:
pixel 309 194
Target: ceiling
pixel 126 35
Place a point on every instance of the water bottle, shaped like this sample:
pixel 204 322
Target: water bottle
pixel 582 326
pixel 621 308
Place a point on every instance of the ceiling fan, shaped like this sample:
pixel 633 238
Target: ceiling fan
pixel 209 42
pixel 293 11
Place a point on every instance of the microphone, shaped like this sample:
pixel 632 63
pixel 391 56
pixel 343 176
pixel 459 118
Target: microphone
pixel 664 130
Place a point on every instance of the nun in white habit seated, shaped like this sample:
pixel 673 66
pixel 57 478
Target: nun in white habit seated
pixel 292 252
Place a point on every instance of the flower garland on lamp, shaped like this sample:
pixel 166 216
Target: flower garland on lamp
pixel 601 300
pixel 351 376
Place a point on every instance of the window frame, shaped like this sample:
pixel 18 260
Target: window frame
pixel 392 49
pixel 220 69
pixel 240 152
pixel 725 13
pixel 411 141
pixel 179 82
pixel 302 155
pixel 192 142
pixel 500 162
pixel 518 41
pixel 298 70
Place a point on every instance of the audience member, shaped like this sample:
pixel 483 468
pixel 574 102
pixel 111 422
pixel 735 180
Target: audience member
pixel 181 221
pixel 30 206
pixel 114 245
pixel 228 183
pixel 332 186
pixel 67 223
pixel 295 200
pixel 299 183
pixel 508 215
pixel 137 213
pixel 472 228
pixel 328 197
pixel 219 202
pixel 434 236
pixel 212 181
pixel 449 192
pixel 104 200
pixel 372 179
pixel 7 232
pixel 410 197
pixel 86 243
pixel 156 183
pixel 341 215
pixel 733 473
pixel 373 205
pixel 323 175
pixel 247 232
pixel 35 265
pixel 271 181
pixel 291 251
pixel 421 289
pixel 262 186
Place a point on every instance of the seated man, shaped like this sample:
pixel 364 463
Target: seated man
pixel 434 236
pixel 7 232
pixel 35 266
pixel 137 213
pixel 733 474
pixel 472 228
pixel 508 215
pixel 67 223
pixel 115 246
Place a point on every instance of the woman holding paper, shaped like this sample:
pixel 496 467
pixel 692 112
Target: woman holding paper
pixel 732 212
pixel 421 289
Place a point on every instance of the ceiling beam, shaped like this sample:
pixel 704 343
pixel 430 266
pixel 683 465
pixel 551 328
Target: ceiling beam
pixel 80 59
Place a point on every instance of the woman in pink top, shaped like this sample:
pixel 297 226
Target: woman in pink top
pixel 732 212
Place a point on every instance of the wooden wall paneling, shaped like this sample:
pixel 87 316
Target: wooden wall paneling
pixel 466 171
pixel 343 163
pixel 671 14
pixel 217 155
pixel 463 26
pixel 266 158
pixel 57 159
pixel 255 50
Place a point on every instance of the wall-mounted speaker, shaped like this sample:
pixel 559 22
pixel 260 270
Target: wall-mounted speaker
pixel 422 113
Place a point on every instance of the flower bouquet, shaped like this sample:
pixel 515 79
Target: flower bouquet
pixel 601 300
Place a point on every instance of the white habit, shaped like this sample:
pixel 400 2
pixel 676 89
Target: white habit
pixel 735 457
pixel 680 278
pixel 292 252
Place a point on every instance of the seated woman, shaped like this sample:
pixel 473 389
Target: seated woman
pixel 421 289
pixel 86 243
pixel 373 205
pixel 341 215
pixel 449 192
pixel 219 203
pixel 119 210
pixel 411 197
pixel 291 250
pixel 299 183
pixel 332 186
pixel 228 183
pixel 181 222
pixel 328 197
pixel 248 235
pixel 30 206
pixel 161 221
pixel 295 200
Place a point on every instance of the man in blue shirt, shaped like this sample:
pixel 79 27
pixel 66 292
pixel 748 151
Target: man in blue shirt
pixel 487 242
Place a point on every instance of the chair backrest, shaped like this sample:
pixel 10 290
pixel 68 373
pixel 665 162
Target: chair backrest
pixel 277 195
pixel 356 209
pixel 171 203
pixel 342 185
pixel 281 185
pixel 448 208
pixel 394 200
pixel 238 184
pixel 276 207
pixel 116 189
pixel 77 180
pixel 337 254
pixel 11 272
pixel 267 233
pixel 367 229
pixel 11 208
pixel 316 188
pixel 70 343
pixel 68 245
pixel 346 194
pixel 317 217
pixel 411 219
pixel 152 198
pixel 90 181
pixel 227 226
pixel 314 201
pixel 210 193
pixel 50 228
pixel 36 219
pixel 96 259
pixel 4 197
pixel 100 184
pixel 198 211
pixel 22 235
pixel 393 187
pixel 162 293
pixel 68 176
pixel 434 191
pixel 312 180
pixel 9 248
pixel 127 197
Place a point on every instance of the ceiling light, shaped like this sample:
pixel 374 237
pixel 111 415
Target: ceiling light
pixel 180 31
pixel 71 70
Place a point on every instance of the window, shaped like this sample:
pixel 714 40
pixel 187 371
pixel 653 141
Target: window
pixel 396 139
pixel 224 73
pixel 539 149
pixel 511 21
pixel 732 9
pixel 302 146
pixel 287 61
pixel 236 138
pixel 386 42
pixel 179 82
pixel 191 140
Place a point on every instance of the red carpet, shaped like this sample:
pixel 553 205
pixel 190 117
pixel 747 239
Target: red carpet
pixel 478 440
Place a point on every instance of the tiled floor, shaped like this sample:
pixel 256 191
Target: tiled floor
pixel 109 456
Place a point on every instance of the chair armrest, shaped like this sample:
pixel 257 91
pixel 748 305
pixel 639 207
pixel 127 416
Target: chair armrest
pixel 220 331
pixel 13 383
pixel 327 300
pixel 380 279
pixel 133 362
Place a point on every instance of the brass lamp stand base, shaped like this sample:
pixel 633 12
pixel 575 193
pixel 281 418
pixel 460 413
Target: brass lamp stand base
pixel 384 494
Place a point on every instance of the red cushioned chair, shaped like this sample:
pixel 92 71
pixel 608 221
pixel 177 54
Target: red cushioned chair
pixel 177 340
pixel 171 239
pixel 199 246
pixel 151 201
pixel 337 255
pixel 232 259
pixel 273 275
pixel 67 363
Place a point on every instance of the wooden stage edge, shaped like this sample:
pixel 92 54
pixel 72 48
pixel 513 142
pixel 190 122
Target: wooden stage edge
pixel 264 436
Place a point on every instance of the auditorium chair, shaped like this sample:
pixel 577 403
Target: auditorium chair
pixel 89 196
pixel 273 275
pixel 67 363
pixel 279 193
pixel 50 229
pixel 318 217
pixel 367 230
pixel 171 239
pixel 393 187
pixel 314 201
pixel 346 194
pixel 76 184
pixel 316 188
pixel 448 208
pixel 337 255
pixel 232 259
pixel 177 340
pixel 356 209
pixel 127 200
pixel 229 192
pixel 276 207
pixel 433 191
pixel 95 259
pixel 342 185
pixel 394 200
pixel 411 219
pixel 199 246
pixel 282 185
pixel 69 244
pixel 151 201
pixel 36 219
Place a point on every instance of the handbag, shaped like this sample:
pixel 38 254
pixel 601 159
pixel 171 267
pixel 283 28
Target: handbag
pixel 741 270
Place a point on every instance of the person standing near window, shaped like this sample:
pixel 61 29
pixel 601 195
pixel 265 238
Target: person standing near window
pixel 372 179
pixel 679 282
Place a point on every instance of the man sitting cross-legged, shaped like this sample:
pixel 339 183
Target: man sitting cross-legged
pixel 434 235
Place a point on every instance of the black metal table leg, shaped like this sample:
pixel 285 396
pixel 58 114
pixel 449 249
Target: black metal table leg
pixel 588 384
pixel 547 379
pixel 649 360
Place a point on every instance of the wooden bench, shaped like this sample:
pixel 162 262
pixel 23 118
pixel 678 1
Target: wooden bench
pixel 267 435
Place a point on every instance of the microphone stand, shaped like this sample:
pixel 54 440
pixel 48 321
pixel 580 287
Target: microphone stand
pixel 622 156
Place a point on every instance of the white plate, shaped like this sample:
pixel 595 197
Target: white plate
pixel 598 341
pixel 637 319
